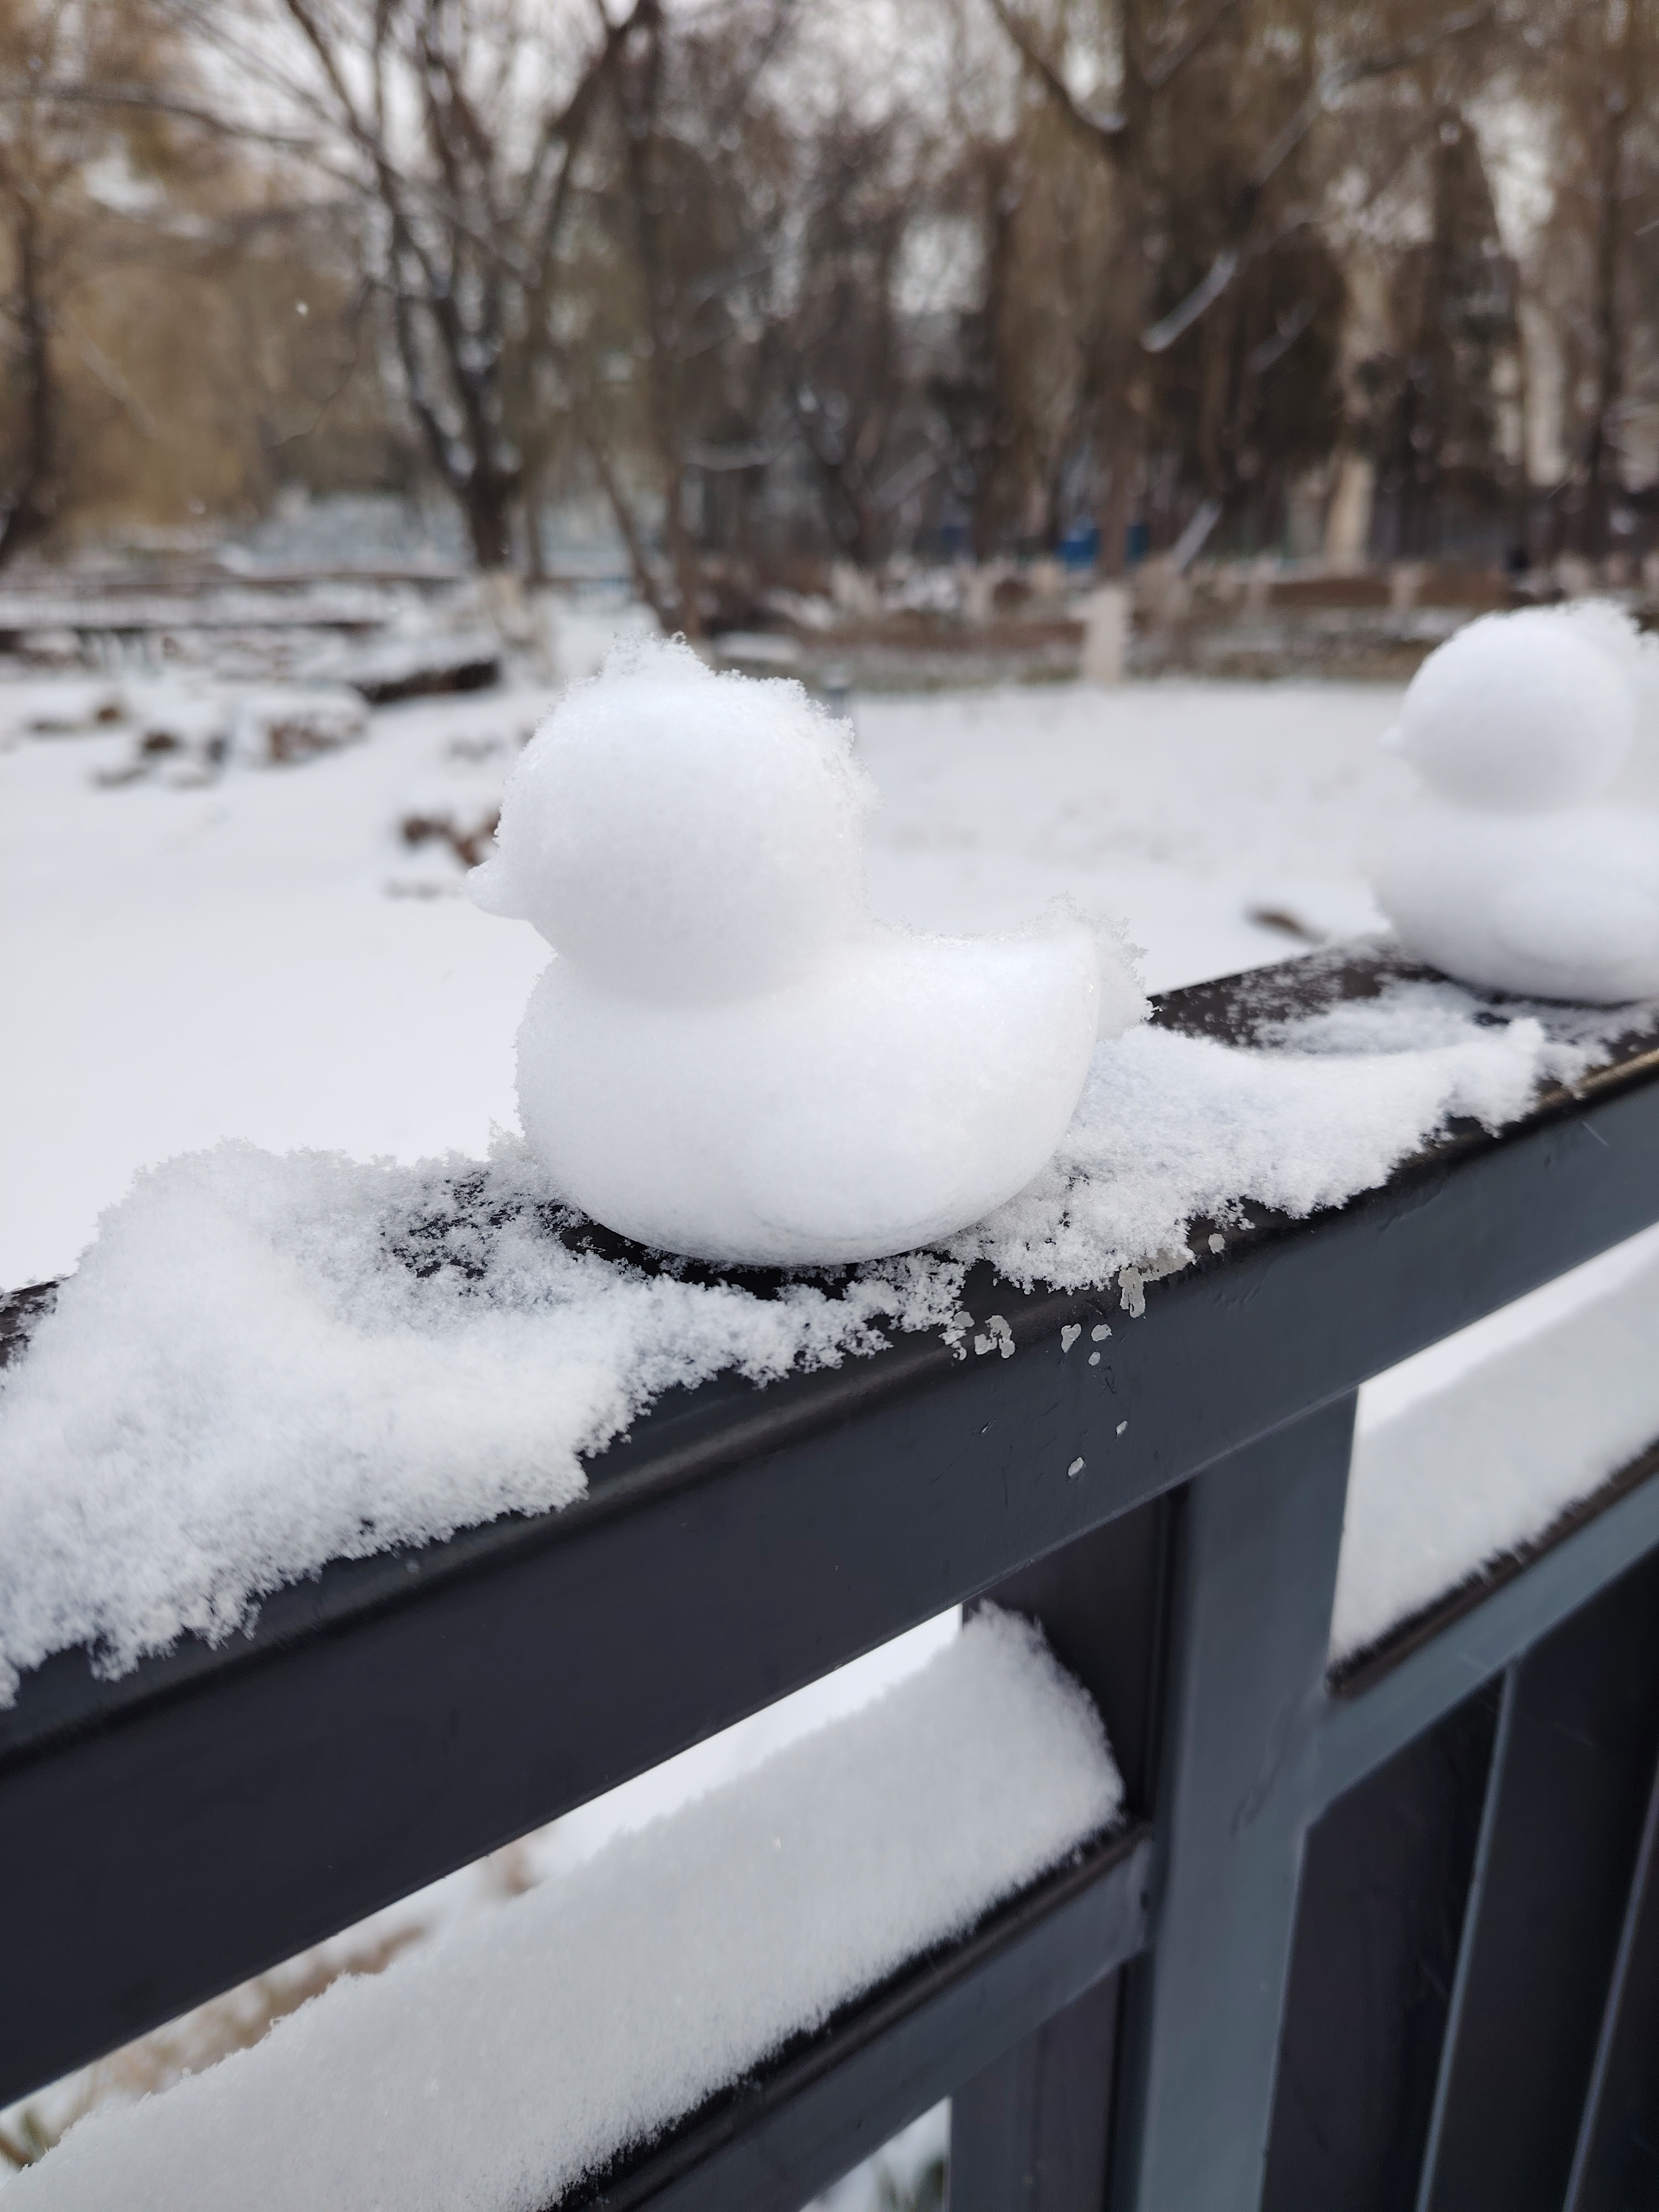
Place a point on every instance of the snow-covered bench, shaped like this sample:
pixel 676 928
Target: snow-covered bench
pixel 1346 1900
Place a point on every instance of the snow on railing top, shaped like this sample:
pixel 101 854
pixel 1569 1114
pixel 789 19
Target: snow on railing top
pixel 265 1362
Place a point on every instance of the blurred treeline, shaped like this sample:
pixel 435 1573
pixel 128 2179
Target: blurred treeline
pixel 773 284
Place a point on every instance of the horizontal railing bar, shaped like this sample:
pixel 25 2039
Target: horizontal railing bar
pixel 1578 1174
pixel 687 1437
pixel 216 1811
pixel 813 2115
pixel 1359 1733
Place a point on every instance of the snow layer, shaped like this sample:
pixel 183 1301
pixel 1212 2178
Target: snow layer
pixel 1475 1446
pixel 266 1362
pixel 729 1057
pixel 263 1362
pixel 236 2019
pixel 1173 1126
pixel 488 2071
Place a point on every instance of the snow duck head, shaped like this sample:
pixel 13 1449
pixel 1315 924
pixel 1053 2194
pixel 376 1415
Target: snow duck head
pixel 677 834
pixel 1518 713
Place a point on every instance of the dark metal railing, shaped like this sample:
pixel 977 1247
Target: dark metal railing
pixel 1344 1916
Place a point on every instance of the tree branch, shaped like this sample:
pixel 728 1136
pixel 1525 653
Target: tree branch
pixel 1362 68
pixel 1163 335
pixel 151 102
pixel 1170 65
pixel 783 13
pixel 1105 130
pixel 644 582
pixel 568 127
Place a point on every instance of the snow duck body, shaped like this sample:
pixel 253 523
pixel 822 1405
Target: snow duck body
pixel 729 1057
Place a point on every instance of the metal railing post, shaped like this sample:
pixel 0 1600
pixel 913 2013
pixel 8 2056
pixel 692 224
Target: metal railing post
pixel 1255 1572
pixel 1030 2133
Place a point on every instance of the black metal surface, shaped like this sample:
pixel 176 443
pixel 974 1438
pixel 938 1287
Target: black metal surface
pixel 1616 2164
pixel 1253 1570
pixel 1030 2133
pixel 1033 2131
pixel 1385 1879
pixel 1571 1788
pixel 1102 1602
pixel 214 1811
pixel 772 2142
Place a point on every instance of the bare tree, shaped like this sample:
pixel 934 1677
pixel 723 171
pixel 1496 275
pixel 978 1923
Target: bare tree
pixel 549 243
pixel 1432 426
pixel 1221 274
pixel 1596 76
pixel 460 125
pixel 49 137
pixel 704 164
pixel 840 341
pixel 184 327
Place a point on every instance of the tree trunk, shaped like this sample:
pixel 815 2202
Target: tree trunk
pixel 487 503
pixel 638 101
pixel 33 506
pixel 644 582
pixel 1601 453
pixel 681 554
pixel 1121 371
pixel 535 565
pixel 1423 428
pixel 990 500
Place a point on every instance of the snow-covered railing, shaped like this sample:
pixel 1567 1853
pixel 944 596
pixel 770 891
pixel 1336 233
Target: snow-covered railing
pixel 1344 1905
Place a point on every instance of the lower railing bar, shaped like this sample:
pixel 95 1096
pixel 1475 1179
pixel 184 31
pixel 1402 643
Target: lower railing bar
pixel 775 2141
pixel 1356 1733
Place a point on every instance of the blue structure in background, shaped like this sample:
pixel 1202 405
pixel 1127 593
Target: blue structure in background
pixel 1079 547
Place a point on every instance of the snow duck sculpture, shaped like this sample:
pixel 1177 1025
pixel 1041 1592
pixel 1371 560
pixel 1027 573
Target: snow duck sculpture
pixel 1513 871
pixel 729 1056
